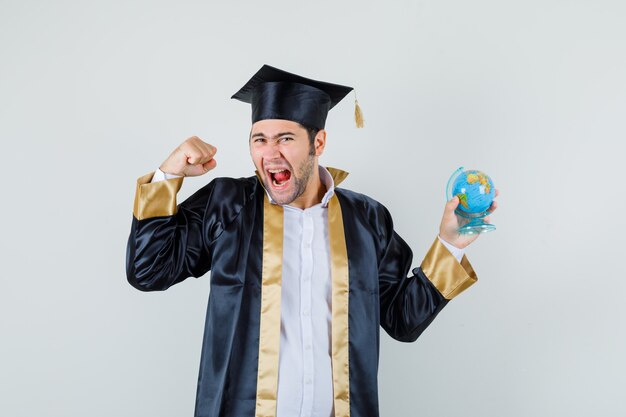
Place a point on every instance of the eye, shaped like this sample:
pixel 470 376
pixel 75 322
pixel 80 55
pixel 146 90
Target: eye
pixel 286 139
pixel 258 140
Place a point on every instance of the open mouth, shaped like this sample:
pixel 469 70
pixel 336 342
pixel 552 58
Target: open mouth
pixel 280 177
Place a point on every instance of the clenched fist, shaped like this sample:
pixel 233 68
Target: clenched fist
pixel 192 158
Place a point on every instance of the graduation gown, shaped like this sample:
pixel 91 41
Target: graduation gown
pixel 230 228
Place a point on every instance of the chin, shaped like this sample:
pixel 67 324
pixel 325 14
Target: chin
pixel 283 197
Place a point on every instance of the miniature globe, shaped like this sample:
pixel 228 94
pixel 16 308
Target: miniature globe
pixel 476 192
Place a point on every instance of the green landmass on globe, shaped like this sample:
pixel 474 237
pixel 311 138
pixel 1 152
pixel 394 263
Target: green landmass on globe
pixel 475 191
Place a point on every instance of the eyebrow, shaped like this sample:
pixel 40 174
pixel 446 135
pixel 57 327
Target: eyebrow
pixel 262 135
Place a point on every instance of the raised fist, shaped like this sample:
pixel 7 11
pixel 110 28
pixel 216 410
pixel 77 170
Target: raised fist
pixel 192 158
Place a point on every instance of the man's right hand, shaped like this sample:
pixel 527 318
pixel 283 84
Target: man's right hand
pixel 192 158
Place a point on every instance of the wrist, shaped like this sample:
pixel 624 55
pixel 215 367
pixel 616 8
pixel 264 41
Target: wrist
pixel 169 175
pixel 446 239
pixel 452 241
pixel 170 171
pixel 457 252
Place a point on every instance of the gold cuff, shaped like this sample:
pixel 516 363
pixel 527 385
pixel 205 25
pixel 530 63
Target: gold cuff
pixel 449 276
pixel 155 199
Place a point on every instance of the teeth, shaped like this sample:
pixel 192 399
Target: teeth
pixel 276 171
pixel 276 184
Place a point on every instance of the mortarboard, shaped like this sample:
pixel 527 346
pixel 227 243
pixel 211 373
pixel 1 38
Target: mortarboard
pixel 277 94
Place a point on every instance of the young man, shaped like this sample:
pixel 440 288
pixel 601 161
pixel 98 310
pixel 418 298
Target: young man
pixel 302 273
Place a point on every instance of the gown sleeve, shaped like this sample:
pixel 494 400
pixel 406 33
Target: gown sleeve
pixel 168 243
pixel 409 304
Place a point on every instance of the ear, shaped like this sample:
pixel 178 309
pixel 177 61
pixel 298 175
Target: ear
pixel 320 142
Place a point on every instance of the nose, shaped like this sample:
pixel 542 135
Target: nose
pixel 271 151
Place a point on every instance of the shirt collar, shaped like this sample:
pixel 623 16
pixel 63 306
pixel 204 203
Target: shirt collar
pixel 327 181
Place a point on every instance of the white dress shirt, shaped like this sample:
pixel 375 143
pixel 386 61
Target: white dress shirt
pixel 305 385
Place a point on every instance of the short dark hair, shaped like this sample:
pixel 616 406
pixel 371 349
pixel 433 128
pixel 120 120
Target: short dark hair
pixel 312 132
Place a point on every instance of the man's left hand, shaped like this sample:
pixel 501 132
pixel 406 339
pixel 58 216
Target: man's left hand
pixel 450 223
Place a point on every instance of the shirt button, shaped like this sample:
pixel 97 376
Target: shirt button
pixel 308 347
pixel 305 313
pixel 308 381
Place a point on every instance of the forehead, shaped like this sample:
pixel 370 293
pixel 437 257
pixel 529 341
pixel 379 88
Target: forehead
pixel 271 127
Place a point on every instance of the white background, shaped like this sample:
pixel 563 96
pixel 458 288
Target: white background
pixel 94 94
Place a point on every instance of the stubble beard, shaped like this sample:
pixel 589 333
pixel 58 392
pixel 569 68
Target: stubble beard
pixel 300 181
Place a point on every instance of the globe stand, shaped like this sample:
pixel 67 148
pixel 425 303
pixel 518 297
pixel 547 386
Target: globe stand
pixel 475 226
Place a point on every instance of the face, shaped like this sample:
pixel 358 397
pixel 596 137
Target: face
pixel 286 161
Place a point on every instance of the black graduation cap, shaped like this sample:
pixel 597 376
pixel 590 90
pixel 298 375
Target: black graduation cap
pixel 277 94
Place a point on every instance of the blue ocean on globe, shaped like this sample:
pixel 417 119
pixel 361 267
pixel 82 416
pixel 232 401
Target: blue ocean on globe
pixel 475 191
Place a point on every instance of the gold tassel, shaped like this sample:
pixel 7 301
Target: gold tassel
pixel 358 114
